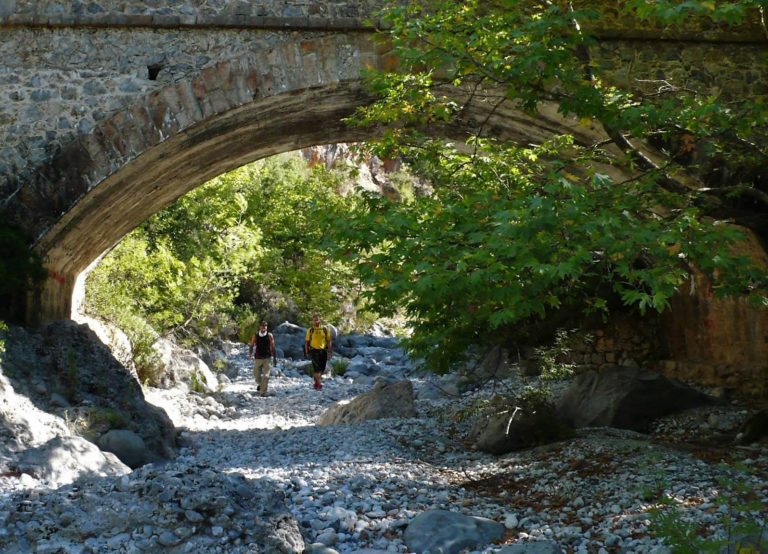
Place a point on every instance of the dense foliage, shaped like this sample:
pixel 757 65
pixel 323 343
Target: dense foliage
pixel 515 232
pixel 184 270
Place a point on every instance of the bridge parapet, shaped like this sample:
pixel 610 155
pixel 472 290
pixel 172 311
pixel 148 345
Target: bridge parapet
pixel 307 14
pixel 612 21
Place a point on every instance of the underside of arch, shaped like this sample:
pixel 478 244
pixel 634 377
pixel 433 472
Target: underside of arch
pixel 132 190
pixel 159 176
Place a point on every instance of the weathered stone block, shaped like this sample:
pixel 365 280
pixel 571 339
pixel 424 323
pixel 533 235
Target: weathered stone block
pixel 145 125
pixel 190 111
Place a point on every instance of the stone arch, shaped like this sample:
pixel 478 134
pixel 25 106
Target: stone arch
pixel 230 84
pixel 142 158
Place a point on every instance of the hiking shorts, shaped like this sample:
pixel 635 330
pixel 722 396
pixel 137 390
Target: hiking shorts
pixel 319 357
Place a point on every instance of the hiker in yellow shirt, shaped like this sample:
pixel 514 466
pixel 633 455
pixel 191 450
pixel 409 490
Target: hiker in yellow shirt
pixel 318 347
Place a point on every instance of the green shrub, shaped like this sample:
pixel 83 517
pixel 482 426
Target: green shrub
pixel 92 421
pixel 339 366
pixel 116 419
pixel 196 383
pixel 529 399
pixel 535 398
pixel 247 322
pixel 149 366
pixel 738 508
pixel 3 333
pixel 553 360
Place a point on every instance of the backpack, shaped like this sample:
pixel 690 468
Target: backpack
pixel 325 330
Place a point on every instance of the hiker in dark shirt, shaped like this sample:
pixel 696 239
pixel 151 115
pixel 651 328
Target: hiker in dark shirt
pixel 262 348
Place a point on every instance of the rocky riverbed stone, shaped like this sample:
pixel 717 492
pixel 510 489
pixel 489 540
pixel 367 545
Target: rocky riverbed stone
pixel 257 472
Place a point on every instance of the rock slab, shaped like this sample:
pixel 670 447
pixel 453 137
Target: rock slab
pixel 383 401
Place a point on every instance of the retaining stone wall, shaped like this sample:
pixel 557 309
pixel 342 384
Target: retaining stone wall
pixel 625 341
pixel 730 69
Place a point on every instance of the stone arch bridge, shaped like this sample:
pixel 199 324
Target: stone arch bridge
pixel 109 111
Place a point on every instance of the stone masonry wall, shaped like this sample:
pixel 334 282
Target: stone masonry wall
pixel 729 69
pixel 719 342
pixel 66 66
pixel 711 341
pixel 55 84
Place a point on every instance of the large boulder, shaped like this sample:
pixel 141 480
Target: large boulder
pixel 520 428
pixel 126 445
pixel 495 364
pixel 216 357
pixel 184 367
pixel 356 341
pixel 289 340
pixel 288 328
pixel 66 371
pixel 755 428
pixel 375 353
pixel 23 423
pixel 63 460
pixel 385 400
pixel 114 338
pixel 379 348
pixel 625 398
pixel 450 532
pixel 362 366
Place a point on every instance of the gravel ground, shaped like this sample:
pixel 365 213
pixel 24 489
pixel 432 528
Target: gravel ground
pixel 358 486
pixel 594 493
